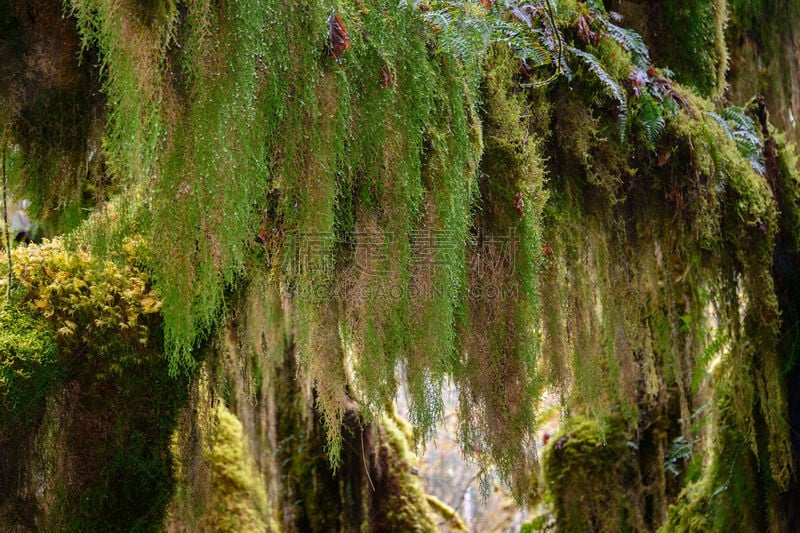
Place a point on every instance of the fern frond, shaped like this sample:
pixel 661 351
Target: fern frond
pixel 528 28
pixel 612 87
pixel 722 122
pixel 526 12
pixel 652 119
pixel 616 17
pixel 454 35
pixel 528 49
pixel 739 127
pixel 738 117
pixel 630 41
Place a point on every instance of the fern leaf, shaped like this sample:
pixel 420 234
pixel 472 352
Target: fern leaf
pixel 652 119
pixel 739 127
pixel 612 87
pixel 739 118
pixel 528 49
pixel 630 41
pixel 723 123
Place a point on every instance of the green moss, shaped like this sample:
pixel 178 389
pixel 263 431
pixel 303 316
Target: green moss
pixel 699 57
pixel 625 297
pixel 28 366
pixel 406 506
pixel 429 216
pixel 750 456
pixel 734 478
pixel 448 514
pixel 591 475
pixel 347 159
pixel 789 185
pixel 238 498
pixel 86 343
pixel 51 114
pixel 500 345
pixel 369 159
pixel 747 15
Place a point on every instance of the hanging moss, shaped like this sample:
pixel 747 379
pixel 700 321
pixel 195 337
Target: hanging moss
pixel 344 153
pixel 723 498
pixel 421 211
pixel 51 112
pixel 751 459
pixel 658 262
pixel 371 163
pixel 498 376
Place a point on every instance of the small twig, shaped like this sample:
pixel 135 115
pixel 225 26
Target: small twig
pixel 469 484
pixel 6 228
pixel 551 17
pixel 364 457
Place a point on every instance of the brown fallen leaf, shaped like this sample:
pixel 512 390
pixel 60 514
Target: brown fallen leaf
pixel 338 38
pixel 519 204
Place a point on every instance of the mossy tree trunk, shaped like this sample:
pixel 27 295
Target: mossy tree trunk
pixel 286 479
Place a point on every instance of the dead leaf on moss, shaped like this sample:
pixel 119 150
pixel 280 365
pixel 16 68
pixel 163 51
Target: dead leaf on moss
pixel 338 38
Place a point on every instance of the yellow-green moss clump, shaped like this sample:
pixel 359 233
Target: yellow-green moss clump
pixel 238 497
pixel 406 506
pixel 92 304
pixel 69 312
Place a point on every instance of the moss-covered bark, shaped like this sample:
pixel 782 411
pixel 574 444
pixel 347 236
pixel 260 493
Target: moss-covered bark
pixel 593 475
pixel 87 407
pixel 272 419
pixel 686 36
pixel 764 42
pixel 729 49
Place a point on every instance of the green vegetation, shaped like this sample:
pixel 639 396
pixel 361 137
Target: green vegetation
pixel 510 195
pixel 593 479
pixel 82 336
pixel 27 366
pixel 360 180
pixel 238 496
pixel 699 57
pixel 407 507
